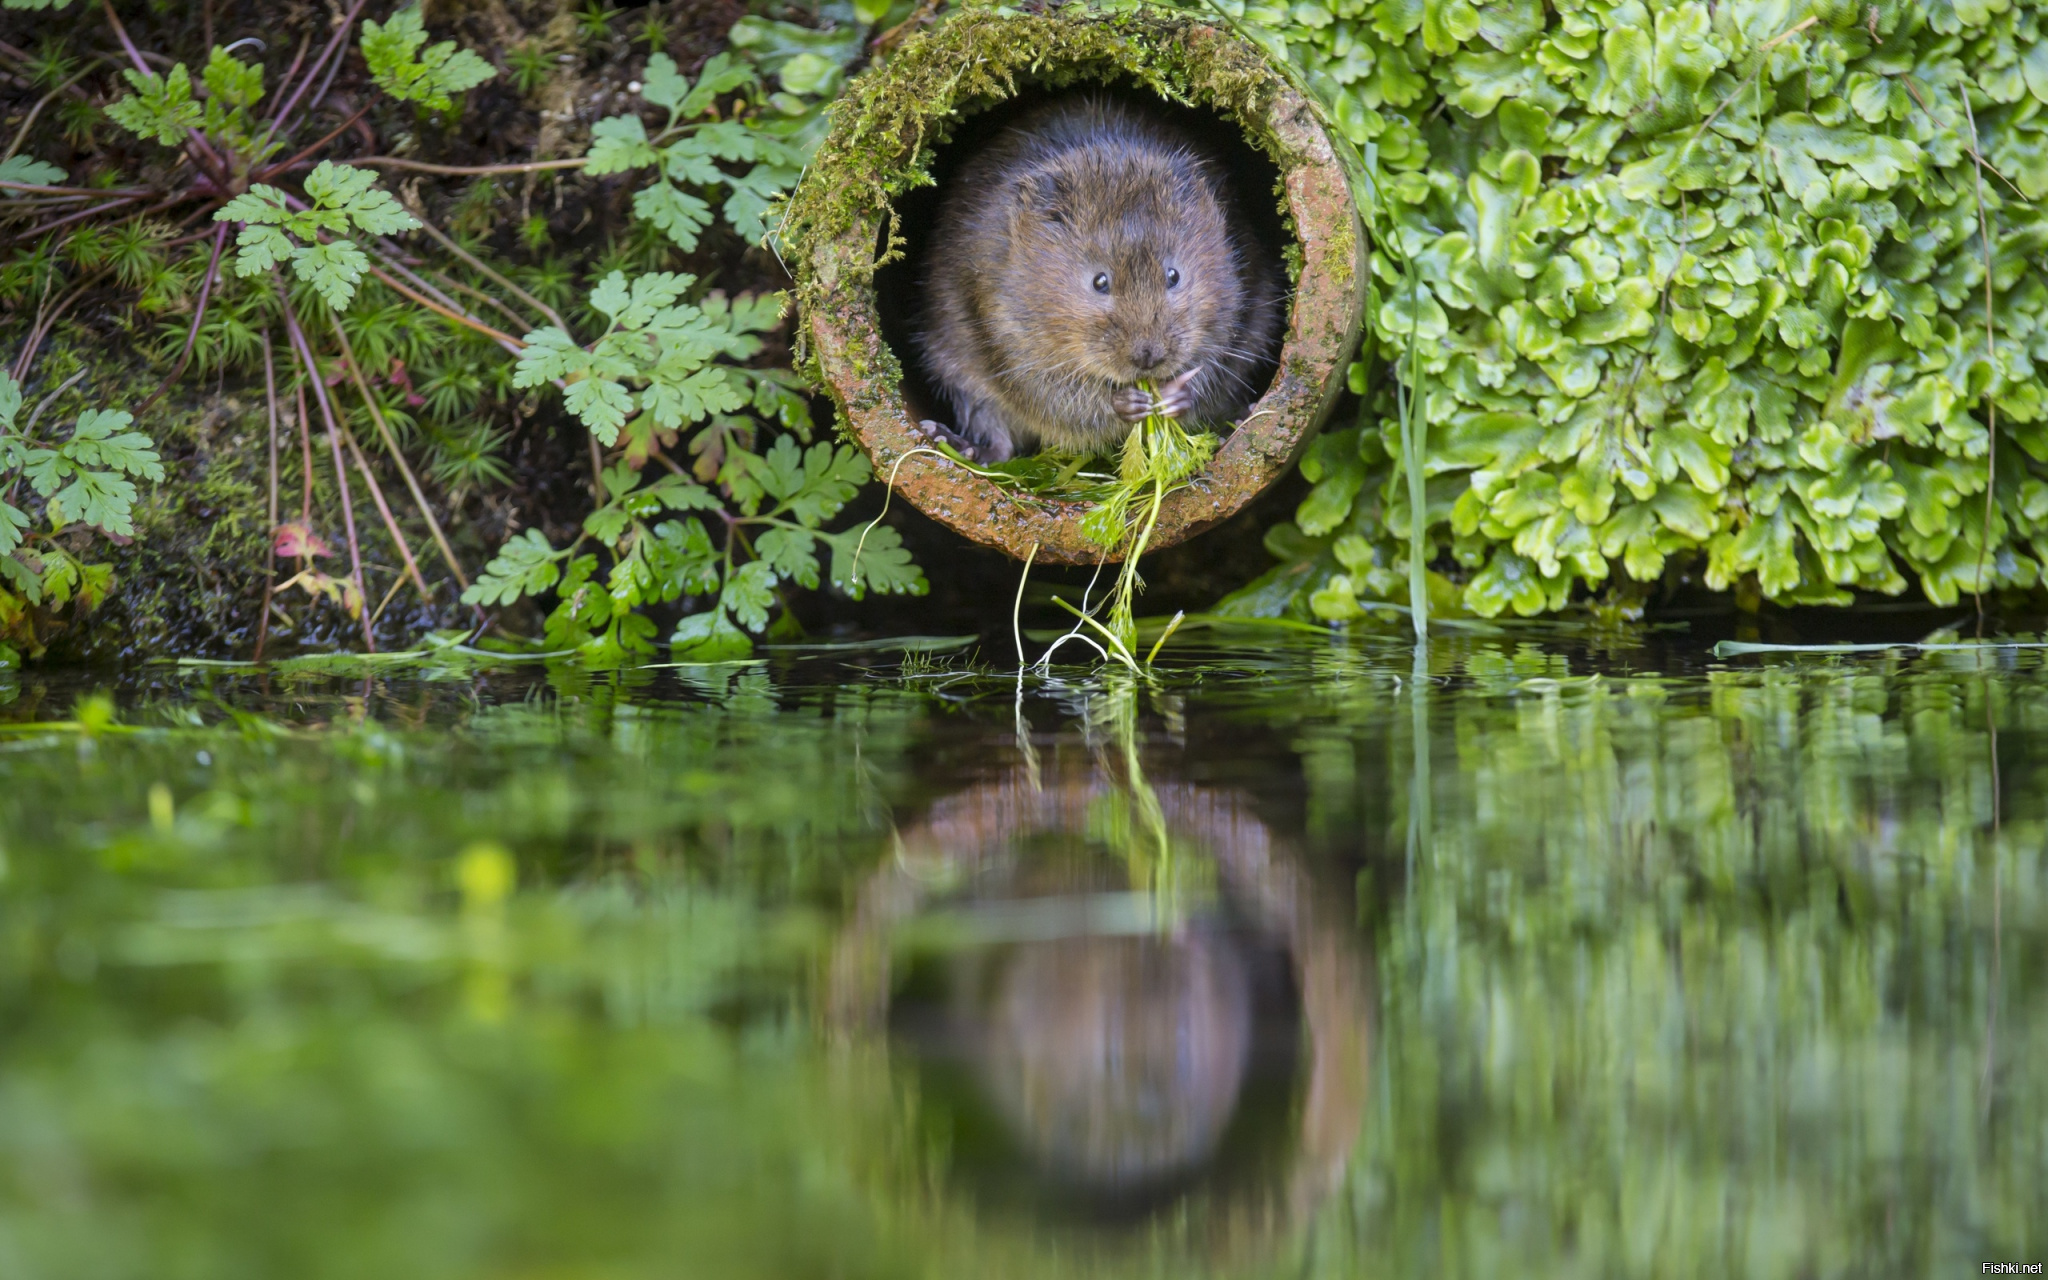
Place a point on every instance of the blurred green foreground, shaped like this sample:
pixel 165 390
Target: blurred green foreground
pixel 1737 970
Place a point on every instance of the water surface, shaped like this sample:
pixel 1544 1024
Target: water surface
pixel 1297 957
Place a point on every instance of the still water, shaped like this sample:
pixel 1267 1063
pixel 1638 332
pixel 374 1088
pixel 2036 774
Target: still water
pixel 1297 957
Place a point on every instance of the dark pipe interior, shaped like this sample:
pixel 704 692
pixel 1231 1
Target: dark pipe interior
pixel 1254 185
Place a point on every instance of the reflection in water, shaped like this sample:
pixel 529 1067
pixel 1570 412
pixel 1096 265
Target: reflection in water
pixel 1120 1059
pixel 1120 997
pixel 1742 972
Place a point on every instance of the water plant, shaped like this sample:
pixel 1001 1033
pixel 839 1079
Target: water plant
pixel 1742 295
pixel 1157 457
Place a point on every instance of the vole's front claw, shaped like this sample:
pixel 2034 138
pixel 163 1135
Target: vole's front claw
pixel 939 433
pixel 1178 396
pixel 1131 403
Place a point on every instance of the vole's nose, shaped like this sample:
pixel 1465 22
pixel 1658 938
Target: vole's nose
pixel 1148 355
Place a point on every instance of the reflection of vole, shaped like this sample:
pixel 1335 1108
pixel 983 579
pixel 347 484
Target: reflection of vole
pixel 1120 1059
pixel 1091 247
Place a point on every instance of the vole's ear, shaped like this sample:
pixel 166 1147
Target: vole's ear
pixel 1046 195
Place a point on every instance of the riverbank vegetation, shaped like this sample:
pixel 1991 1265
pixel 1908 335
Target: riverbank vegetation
pixel 468 320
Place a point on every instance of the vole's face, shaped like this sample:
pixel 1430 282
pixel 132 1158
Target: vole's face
pixel 1127 270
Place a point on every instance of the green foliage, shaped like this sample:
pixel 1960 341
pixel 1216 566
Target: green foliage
pixel 86 478
pixel 594 21
pixel 531 66
pixel 688 152
pixel 26 169
pixel 161 106
pixel 653 372
pixel 1696 969
pixel 666 377
pixel 1698 289
pixel 410 73
pixel 343 199
pixel 660 345
pixel 1158 456
pixel 806 61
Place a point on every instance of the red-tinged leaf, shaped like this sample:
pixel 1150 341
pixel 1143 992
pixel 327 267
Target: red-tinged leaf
pixel 295 541
pixel 400 378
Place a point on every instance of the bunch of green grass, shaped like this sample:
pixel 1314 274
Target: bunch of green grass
pixel 1158 457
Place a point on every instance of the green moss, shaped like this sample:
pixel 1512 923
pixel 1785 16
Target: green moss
pixel 191 575
pixel 1343 252
pixel 192 580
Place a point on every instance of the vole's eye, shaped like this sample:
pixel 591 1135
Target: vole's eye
pixel 1172 277
pixel 1102 282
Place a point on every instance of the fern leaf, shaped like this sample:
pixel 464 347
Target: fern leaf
pixel 161 106
pixel 409 73
pixel 334 269
pixel 524 566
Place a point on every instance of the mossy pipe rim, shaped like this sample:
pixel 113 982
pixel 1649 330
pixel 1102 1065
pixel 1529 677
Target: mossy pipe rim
pixel 881 142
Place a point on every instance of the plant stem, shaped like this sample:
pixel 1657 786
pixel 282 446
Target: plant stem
pixel 1107 634
pixel 457 286
pixel 1121 621
pixel 220 239
pixel 27 431
pixel 398 539
pixel 1990 358
pixel 1414 434
pixel 418 166
pixel 1017 609
pixel 46 322
pixel 306 458
pixel 200 149
pixel 449 243
pixel 311 373
pixel 271 171
pixel 1179 617
pixel 412 484
pixel 44 101
pixel 290 72
pixel 334 42
pixel 47 227
pixel 505 340
pixel 270 535
pixel 121 34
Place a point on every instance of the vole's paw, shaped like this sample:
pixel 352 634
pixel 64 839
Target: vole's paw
pixel 941 434
pixel 1132 404
pixel 1178 396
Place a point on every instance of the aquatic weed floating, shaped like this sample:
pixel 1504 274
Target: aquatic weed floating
pixel 843 225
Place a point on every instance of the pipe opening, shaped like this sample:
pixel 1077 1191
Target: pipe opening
pixel 1254 191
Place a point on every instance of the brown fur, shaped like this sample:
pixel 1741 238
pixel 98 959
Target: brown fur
pixel 1120 1059
pixel 1023 347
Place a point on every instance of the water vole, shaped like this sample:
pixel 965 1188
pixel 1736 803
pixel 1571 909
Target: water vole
pixel 1089 247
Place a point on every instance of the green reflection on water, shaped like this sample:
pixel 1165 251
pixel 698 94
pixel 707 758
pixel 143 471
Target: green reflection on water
pixel 1733 972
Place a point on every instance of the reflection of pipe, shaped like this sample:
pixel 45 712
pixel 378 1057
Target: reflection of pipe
pixel 979 830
